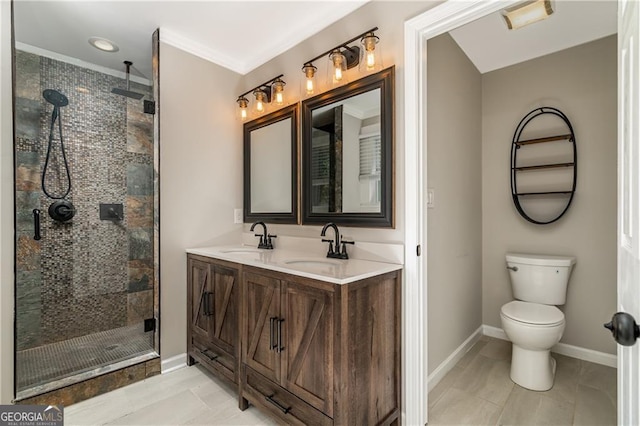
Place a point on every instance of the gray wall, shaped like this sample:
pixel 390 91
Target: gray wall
pixel 201 176
pixel 454 171
pixel 582 83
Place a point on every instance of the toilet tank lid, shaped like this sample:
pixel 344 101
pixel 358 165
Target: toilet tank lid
pixel 540 259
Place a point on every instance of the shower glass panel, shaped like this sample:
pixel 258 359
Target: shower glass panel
pixel 86 285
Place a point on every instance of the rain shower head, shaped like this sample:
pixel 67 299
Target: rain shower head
pixel 55 98
pixel 126 92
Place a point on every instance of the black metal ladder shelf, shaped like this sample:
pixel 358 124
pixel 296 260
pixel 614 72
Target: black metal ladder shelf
pixel 517 144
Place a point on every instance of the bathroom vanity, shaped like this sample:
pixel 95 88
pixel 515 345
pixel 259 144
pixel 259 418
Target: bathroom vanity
pixel 308 340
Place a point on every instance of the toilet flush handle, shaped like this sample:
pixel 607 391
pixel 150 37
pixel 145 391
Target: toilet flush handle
pixel 513 268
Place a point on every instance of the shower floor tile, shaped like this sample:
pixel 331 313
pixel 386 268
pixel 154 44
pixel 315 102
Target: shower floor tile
pixel 39 369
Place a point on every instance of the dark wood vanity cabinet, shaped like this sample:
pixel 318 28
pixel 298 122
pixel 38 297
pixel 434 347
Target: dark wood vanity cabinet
pixel 213 336
pixel 287 339
pixel 321 353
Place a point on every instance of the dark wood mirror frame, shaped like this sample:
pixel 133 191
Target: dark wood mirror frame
pixel 272 118
pixel 383 80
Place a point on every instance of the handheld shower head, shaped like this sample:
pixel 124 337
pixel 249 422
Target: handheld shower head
pixel 55 98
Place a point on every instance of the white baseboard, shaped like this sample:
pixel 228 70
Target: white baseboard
pixel 174 363
pixel 446 365
pixel 496 332
pixel 590 355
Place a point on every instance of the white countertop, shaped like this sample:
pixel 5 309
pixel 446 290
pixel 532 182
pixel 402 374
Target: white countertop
pixel 307 265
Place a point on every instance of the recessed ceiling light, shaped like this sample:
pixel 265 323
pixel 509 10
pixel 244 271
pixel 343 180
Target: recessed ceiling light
pixel 103 44
pixel 527 13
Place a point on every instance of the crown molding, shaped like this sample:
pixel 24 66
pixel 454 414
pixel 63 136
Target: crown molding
pixel 198 49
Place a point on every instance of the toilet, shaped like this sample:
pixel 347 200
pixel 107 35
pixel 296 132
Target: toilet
pixel 532 322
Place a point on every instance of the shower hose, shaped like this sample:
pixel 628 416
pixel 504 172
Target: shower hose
pixel 55 115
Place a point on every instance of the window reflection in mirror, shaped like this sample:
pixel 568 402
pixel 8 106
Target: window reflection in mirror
pixel 345 152
pixel 270 167
pixel 347 148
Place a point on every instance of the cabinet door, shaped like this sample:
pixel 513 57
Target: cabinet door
pixel 307 357
pixel 261 311
pixel 201 298
pixel 224 332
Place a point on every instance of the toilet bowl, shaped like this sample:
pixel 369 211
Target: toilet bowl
pixel 532 322
pixel 533 329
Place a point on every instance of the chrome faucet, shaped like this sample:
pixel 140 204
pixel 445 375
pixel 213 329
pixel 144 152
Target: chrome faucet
pixel 338 253
pixel 265 237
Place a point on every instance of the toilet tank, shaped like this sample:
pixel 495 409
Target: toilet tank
pixel 540 278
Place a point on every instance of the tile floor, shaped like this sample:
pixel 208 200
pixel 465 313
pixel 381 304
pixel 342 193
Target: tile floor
pixel 189 396
pixel 478 391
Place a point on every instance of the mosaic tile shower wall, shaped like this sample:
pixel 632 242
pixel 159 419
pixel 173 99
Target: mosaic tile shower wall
pixel 87 275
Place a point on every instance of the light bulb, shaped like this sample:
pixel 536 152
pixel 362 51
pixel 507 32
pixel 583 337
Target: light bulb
pixel 278 91
pixel 260 100
pixel 339 64
pixel 242 105
pixel 369 42
pixel 309 71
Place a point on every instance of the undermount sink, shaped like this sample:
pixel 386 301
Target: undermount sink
pixel 241 251
pixel 311 262
pixel 314 266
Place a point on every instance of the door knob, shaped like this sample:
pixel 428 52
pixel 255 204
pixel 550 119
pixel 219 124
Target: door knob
pixel 624 328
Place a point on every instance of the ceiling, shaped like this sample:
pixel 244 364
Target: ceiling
pixel 238 35
pixel 490 45
pixel 242 35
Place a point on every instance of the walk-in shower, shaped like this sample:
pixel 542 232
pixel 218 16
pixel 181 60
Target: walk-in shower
pixel 86 203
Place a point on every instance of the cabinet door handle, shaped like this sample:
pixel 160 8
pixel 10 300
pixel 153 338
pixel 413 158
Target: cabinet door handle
pixel 206 303
pixel 203 304
pixel 210 303
pixel 272 332
pixel 280 347
pixel 211 358
pixel 282 408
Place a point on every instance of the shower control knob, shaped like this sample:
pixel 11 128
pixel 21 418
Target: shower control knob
pixel 62 211
pixel 624 328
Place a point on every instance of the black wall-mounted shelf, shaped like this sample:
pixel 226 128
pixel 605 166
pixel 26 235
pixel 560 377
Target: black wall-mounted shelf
pixel 518 144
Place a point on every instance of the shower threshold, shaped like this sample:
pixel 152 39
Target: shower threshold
pixel 56 365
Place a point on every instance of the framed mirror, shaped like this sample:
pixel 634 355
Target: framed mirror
pixel 271 167
pixel 347 154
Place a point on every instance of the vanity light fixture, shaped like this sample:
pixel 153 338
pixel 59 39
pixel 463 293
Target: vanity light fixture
pixel 261 98
pixel 371 59
pixel 527 13
pixel 243 104
pixel 342 58
pixel 264 93
pixel 278 91
pixel 338 64
pixel 310 78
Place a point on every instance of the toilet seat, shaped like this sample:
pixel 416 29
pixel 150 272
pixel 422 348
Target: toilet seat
pixel 533 313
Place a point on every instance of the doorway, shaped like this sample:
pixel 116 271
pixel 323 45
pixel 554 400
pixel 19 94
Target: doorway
pixel 431 24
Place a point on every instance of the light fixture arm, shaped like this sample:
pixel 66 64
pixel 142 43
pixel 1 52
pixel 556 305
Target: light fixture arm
pixel 345 45
pixel 266 84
